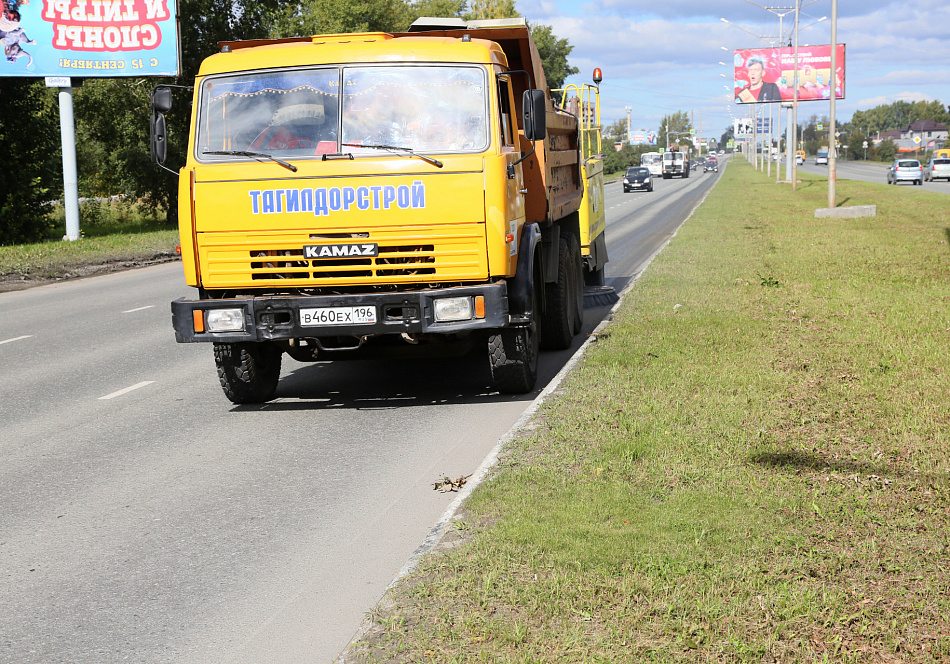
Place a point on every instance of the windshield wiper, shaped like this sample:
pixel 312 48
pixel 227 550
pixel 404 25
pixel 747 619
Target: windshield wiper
pixel 245 153
pixel 394 148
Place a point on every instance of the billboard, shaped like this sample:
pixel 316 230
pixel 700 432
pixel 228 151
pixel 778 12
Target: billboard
pixel 768 74
pixel 642 137
pixel 89 38
pixel 744 126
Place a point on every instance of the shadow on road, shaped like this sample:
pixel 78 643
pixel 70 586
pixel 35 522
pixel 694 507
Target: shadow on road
pixel 385 384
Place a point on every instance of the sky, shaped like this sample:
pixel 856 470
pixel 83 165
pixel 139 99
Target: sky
pixel 664 56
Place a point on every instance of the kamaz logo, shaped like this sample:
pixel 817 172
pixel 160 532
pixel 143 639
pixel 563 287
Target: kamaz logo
pixel 340 250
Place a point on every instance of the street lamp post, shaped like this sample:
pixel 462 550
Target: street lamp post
pixel 833 140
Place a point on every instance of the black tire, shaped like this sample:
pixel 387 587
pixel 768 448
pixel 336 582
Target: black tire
pixel 513 354
pixel 557 323
pixel 577 269
pixel 248 372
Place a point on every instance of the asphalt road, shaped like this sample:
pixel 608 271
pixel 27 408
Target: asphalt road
pixel 145 518
pixel 868 172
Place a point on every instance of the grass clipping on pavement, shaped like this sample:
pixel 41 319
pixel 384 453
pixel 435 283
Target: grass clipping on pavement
pixel 751 464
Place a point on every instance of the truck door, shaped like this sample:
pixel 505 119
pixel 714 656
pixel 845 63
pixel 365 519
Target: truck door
pixel 515 210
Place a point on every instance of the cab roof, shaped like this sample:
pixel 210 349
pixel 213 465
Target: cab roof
pixel 371 47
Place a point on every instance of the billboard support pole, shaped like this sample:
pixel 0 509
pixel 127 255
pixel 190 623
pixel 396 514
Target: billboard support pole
pixel 67 131
pixel 798 4
pixel 832 139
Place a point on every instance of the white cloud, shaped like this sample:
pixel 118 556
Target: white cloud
pixel 890 99
pixel 664 57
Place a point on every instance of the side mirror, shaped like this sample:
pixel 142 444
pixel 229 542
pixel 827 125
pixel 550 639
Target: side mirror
pixel 533 115
pixel 161 100
pixel 158 135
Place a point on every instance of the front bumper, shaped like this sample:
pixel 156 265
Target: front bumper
pixel 636 185
pixel 277 317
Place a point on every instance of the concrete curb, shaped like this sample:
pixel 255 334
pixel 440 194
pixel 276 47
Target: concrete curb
pixel 847 212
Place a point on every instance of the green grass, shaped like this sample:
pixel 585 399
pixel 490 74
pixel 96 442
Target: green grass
pixel 761 473
pixel 111 234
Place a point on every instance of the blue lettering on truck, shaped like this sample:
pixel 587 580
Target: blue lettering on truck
pixel 322 201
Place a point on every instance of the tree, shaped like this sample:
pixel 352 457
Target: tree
pixel 674 129
pixel 29 140
pixel 553 51
pixel 312 17
pixel 886 150
pixel 489 9
pixel 727 136
pixel 616 131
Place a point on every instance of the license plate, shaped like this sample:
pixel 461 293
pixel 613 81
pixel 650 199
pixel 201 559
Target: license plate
pixel 337 316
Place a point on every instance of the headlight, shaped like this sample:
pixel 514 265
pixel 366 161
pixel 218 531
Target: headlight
pixel 453 308
pixel 225 320
pixel 626 181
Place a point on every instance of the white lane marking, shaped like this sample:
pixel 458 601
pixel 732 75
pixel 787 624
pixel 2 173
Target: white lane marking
pixel 126 390
pixel 139 309
pixel 25 336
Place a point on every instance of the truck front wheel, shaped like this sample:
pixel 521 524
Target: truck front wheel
pixel 513 354
pixel 248 372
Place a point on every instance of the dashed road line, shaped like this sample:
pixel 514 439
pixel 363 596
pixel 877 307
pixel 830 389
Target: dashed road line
pixel 6 341
pixel 127 390
pixel 139 309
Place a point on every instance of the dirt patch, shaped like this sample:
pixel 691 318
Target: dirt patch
pixel 15 281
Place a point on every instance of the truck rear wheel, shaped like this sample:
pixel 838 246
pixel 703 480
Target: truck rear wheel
pixel 248 372
pixel 513 354
pixel 560 312
pixel 577 269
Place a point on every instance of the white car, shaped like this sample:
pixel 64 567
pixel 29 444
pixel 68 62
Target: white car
pixel 937 168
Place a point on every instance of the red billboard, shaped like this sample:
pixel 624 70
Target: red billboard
pixel 768 74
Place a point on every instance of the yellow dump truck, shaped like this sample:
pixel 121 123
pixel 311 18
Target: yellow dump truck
pixel 350 194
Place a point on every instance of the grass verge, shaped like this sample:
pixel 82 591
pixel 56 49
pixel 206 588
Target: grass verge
pixel 751 464
pixel 114 237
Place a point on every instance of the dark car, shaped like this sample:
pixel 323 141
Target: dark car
pixel 712 164
pixel 637 177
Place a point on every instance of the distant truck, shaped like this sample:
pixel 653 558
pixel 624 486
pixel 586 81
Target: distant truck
pixel 675 163
pixel 387 194
pixel 822 156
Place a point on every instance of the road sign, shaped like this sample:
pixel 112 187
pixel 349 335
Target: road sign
pixel 917 140
pixel 820 127
pixel 865 145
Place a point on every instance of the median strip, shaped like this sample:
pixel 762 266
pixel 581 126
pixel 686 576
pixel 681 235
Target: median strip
pixel 751 463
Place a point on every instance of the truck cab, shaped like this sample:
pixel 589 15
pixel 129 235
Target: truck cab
pixel 348 193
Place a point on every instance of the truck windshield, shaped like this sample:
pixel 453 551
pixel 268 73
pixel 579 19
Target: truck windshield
pixel 301 113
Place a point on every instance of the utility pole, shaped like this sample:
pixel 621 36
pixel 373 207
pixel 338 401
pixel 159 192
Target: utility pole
pixel 832 139
pixel 795 101
pixel 629 128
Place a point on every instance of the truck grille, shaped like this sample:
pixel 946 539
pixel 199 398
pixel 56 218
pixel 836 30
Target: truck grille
pixel 412 261
pixel 446 255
